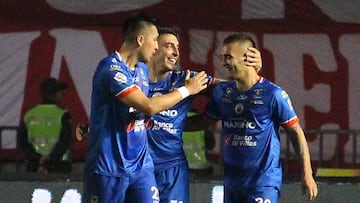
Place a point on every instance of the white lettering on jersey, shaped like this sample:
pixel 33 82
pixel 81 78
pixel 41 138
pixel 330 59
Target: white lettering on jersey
pixel 169 113
pixel 239 140
pixel 139 125
pixel 240 124
pixel 164 126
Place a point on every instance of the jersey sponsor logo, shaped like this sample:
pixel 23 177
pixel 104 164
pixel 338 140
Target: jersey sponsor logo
pixel 120 77
pixel 168 127
pixel 239 124
pixel 241 97
pixel 136 126
pixel 156 89
pixel 115 67
pixel 257 102
pixel 240 140
pixel 169 113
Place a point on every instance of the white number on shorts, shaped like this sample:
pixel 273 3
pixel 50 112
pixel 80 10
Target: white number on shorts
pixel 155 196
pixel 261 200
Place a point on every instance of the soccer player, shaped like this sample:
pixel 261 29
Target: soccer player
pixel 165 135
pixel 118 167
pixel 252 109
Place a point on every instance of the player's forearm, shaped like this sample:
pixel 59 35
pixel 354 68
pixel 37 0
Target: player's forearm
pixel 163 102
pixel 153 105
pixel 304 156
pixel 301 148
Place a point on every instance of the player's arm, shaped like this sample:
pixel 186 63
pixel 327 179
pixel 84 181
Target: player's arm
pixel 156 104
pixel 298 140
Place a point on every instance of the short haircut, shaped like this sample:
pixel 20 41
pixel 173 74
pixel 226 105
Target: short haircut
pixel 167 30
pixel 239 37
pixel 134 25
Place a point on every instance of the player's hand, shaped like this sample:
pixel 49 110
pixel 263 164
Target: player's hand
pixel 196 83
pixel 81 131
pixel 309 187
pixel 253 59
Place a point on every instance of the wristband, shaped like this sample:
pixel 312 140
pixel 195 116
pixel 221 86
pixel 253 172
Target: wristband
pixel 184 92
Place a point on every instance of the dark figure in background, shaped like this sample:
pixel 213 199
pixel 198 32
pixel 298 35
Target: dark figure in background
pixel 45 132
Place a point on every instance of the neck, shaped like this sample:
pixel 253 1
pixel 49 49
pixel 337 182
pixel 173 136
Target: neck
pixel 157 74
pixel 247 83
pixel 129 56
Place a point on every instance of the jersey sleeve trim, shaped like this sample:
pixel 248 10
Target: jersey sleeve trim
pixel 127 91
pixel 212 81
pixel 290 122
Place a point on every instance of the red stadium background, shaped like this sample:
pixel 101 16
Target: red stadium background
pixel 311 48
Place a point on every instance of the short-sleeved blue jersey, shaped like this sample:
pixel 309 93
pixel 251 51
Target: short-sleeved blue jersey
pixel 165 135
pixel 250 131
pixel 117 141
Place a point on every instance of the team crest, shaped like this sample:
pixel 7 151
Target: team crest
pixel 239 108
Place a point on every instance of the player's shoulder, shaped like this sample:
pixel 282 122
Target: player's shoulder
pixel 177 77
pixel 223 87
pixel 109 63
pixel 269 85
pixel 224 84
pixel 141 65
pixel 273 88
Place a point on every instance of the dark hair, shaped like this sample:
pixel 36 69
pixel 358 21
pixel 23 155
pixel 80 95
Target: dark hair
pixel 239 37
pixel 135 24
pixel 50 86
pixel 167 30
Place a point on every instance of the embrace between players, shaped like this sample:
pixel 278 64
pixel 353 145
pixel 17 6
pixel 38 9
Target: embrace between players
pixel 129 160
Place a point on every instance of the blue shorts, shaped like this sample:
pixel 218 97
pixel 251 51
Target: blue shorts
pixel 259 194
pixel 138 188
pixel 173 183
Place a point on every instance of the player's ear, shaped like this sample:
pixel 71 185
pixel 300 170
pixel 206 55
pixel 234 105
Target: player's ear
pixel 140 40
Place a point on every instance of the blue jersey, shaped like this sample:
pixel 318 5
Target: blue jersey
pixel 165 135
pixel 250 132
pixel 118 138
